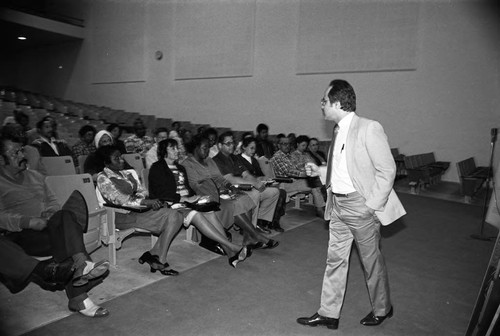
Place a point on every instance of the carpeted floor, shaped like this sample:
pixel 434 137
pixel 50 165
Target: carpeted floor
pixel 435 270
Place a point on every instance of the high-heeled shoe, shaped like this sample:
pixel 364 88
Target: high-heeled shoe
pixel 152 260
pixel 239 257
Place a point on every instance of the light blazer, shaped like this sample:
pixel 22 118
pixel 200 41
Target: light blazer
pixel 372 169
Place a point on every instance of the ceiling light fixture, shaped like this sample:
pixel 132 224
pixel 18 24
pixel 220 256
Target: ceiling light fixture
pixel 21 38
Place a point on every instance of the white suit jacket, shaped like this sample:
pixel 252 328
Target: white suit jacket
pixel 372 170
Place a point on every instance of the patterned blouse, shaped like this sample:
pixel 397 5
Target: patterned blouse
pixel 284 166
pixel 122 188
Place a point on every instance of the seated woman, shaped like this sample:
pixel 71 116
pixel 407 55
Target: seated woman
pixel 205 178
pixel 314 152
pixel 300 157
pixel 120 187
pixel 247 159
pixel 168 181
pixel 93 164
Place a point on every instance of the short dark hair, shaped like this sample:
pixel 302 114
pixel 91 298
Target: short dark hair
pixel 341 91
pixel 87 128
pixel 104 153
pixel 40 123
pixel 112 126
pixel 160 130
pixel 210 131
pixel 302 138
pixel 280 136
pixel 247 141
pixel 224 135
pixel 262 127
pixel 163 145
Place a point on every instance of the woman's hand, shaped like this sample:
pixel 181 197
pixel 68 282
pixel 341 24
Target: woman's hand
pixel 153 203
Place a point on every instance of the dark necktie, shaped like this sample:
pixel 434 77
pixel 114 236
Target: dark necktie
pixel 330 156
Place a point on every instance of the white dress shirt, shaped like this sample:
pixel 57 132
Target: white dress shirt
pixel 340 180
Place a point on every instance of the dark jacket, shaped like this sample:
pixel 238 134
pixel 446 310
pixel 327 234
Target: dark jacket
pixel 162 184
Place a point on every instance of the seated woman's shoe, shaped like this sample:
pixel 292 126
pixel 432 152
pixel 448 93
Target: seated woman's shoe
pixel 89 309
pixel 88 271
pixel 168 271
pixel 239 257
pixel 152 260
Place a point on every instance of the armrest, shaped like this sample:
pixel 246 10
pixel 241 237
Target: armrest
pixel 125 209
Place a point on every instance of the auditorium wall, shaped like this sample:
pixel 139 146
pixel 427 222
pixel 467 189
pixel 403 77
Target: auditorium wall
pixel 447 104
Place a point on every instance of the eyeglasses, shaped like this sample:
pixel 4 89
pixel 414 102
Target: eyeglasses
pixel 285 144
pixel 323 101
pixel 229 143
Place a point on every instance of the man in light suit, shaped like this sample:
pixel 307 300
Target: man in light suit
pixel 359 177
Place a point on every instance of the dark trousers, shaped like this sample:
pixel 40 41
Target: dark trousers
pixel 62 239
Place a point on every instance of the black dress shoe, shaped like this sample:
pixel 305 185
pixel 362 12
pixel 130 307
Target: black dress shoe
pixel 276 227
pixel 262 229
pixel 372 320
pixel 57 273
pixel 317 319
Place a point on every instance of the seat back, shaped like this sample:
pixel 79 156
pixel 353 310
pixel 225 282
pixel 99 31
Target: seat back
pixel 81 162
pixel 266 167
pixel 63 186
pixel 145 178
pixel 466 167
pixel 135 161
pixel 58 165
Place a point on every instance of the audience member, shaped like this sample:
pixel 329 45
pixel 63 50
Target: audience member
pixel 187 137
pixel 121 187
pixel 85 145
pixel 264 146
pixel 47 142
pixel 318 156
pixel 35 225
pixel 212 136
pixel 168 181
pixel 206 179
pixel 139 142
pixel 31 154
pixel 22 119
pixel 283 166
pixel 151 156
pixel 117 131
pixel 247 160
pixel 238 149
pixel 265 198
pixel 300 158
pixel 175 134
pixel 293 142
pixel 93 165
pixel 201 130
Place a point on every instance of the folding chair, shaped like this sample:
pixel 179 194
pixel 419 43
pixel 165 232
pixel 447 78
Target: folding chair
pixel 109 234
pixel 63 186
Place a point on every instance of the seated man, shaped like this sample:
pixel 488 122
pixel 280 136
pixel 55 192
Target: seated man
pixel 283 165
pixel 264 146
pixel 31 154
pixel 85 145
pixel 139 142
pixel 265 198
pixel 32 223
pixel 161 133
pixel 47 142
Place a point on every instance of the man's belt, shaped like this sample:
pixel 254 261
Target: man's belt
pixel 345 195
